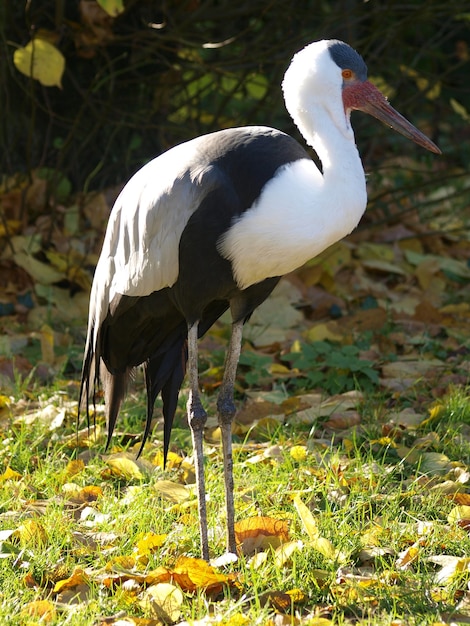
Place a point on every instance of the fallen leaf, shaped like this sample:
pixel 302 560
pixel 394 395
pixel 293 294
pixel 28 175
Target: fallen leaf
pixel 196 574
pixel 258 533
pixel 458 513
pixel 162 601
pixel 319 543
pixel 44 610
pixel 76 579
pixel 10 474
pixel 123 466
pixel 174 492
pixel 148 543
pixel 31 532
pixel 284 552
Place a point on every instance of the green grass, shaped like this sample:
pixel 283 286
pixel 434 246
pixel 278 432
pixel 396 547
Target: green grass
pixel 376 508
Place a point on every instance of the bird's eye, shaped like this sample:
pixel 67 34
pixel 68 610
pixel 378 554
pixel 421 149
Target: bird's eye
pixel 347 74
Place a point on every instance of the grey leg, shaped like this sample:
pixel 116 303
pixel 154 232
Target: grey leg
pixel 226 412
pixel 197 419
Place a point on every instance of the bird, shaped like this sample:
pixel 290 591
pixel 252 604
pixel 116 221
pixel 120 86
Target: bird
pixel 212 225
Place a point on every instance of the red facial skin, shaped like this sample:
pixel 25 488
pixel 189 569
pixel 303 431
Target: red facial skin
pixel 363 96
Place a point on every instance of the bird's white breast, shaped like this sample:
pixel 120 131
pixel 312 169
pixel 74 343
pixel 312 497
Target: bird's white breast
pixel 299 214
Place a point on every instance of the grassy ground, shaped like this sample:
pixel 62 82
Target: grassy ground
pixel 352 448
pixel 374 502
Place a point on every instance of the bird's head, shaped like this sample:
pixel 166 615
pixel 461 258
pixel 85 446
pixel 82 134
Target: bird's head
pixel 331 74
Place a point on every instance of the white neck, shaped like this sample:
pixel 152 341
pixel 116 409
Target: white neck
pixel 301 211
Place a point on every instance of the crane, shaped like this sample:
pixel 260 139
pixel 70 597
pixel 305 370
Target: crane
pixel 212 224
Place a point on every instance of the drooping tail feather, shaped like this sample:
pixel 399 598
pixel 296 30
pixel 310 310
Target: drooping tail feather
pixel 165 373
pixel 114 387
pixel 89 381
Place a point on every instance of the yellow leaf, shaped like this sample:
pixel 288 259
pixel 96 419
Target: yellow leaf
pixel 385 441
pixel 174 492
pixel 237 620
pixel 408 556
pixel 163 601
pixel 297 595
pixel 4 401
pixel 278 369
pixel 75 580
pixel 321 544
pixel 173 460
pixel 112 7
pixel 193 574
pixel 10 474
pixel 325 547
pixel 31 532
pixel 42 61
pixel 39 271
pixel 285 551
pixel 435 412
pixel 325 331
pixel 460 110
pixel 308 521
pixel 124 467
pixel 74 467
pixel 120 563
pixel 149 542
pixel 458 513
pixel 44 610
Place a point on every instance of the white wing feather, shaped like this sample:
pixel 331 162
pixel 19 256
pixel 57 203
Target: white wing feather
pixel 140 249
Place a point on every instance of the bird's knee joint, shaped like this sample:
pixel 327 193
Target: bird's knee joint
pixel 197 415
pixel 226 410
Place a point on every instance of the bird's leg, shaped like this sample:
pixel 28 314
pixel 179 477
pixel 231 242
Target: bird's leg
pixel 226 413
pixel 197 418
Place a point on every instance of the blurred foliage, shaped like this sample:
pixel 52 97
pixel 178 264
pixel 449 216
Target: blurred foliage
pixel 160 72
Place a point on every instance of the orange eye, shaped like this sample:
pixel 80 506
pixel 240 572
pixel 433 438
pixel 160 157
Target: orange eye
pixel 347 74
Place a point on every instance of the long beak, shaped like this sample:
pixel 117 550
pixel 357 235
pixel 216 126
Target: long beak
pixel 365 97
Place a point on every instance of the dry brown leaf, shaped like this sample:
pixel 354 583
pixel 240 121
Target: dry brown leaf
pixel 461 498
pixel 90 493
pixel 74 467
pixel 278 600
pixel 343 420
pixel 257 533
